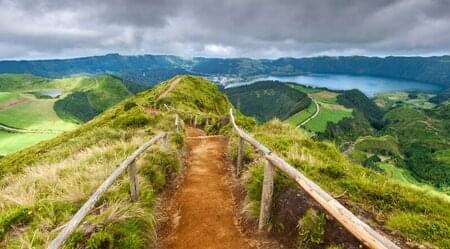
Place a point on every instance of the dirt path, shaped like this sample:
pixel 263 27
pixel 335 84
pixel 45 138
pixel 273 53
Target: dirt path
pixel 202 208
pixel 13 103
pixel 313 116
pixel 172 85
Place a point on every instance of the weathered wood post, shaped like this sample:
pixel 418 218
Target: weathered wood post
pixel 266 196
pixel 177 123
pixel 195 121
pixel 240 156
pixel 134 191
pixel 165 141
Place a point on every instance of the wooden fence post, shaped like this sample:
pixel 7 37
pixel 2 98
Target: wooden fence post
pixel 177 124
pixel 195 121
pixel 165 141
pixel 266 196
pixel 239 156
pixel 134 190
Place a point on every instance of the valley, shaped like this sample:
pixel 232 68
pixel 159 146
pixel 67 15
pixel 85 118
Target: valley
pixel 44 185
pixel 404 135
pixel 34 109
pixel 133 124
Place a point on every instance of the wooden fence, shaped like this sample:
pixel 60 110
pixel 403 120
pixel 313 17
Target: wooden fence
pixel 353 224
pixel 129 163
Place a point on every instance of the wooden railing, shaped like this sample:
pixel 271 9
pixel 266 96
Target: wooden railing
pixel 353 224
pixel 129 163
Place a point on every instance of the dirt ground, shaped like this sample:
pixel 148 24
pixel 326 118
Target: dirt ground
pixel 201 211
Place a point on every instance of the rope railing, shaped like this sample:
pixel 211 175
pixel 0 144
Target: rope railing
pixel 353 224
pixel 129 163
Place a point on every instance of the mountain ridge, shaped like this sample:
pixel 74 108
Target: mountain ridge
pixel 141 68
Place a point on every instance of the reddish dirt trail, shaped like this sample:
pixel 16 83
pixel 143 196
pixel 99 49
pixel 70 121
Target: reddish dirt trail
pixel 171 86
pixel 202 208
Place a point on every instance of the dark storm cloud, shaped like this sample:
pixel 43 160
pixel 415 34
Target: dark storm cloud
pixel 256 28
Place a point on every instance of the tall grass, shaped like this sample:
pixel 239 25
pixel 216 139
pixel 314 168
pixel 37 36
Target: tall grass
pixel 410 212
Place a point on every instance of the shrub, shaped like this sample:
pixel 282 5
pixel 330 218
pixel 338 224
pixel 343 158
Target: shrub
pixel 100 240
pixel 13 217
pixel 159 166
pixel 129 105
pixel 311 229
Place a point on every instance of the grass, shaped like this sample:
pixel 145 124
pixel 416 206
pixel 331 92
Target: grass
pixel 395 99
pixel 268 99
pixel 52 179
pixel 35 114
pixel 83 98
pixel 301 116
pixel 7 96
pixel 398 173
pixel 330 110
pixel 325 97
pixel 311 229
pixel 305 89
pixel 319 123
pixel 12 142
pixel 420 214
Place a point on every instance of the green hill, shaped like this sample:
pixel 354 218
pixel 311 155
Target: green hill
pixel 51 106
pixel 44 185
pixel 268 99
pixel 52 179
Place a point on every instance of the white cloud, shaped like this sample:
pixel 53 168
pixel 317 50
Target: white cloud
pixel 219 50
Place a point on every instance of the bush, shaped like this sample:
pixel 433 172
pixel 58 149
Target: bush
pixel 159 166
pixel 132 119
pixel 129 105
pixel 100 240
pixel 311 229
pixel 13 217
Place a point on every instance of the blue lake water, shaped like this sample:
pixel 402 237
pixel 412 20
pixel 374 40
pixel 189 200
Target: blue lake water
pixel 368 85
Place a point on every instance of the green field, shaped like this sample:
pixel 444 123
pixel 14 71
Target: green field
pixel 35 114
pixel 319 123
pixel 301 116
pixel 397 173
pixel 330 110
pixel 22 107
pixel 395 99
pixel 12 142
pixel 7 96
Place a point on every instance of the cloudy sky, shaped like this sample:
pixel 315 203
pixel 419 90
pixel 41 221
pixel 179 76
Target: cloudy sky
pixel 229 28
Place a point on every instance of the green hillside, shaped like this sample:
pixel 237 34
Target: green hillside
pixel 48 107
pixel 268 99
pixel 425 139
pixel 419 214
pixel 330 111
pixel 41 187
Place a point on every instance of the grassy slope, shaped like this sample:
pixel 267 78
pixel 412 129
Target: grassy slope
pixel 65 170
pixel 7 96
pixel 42 187
pixel 268 99
pixel 302 115
pixel 423 134
pixel 13 82
pixel 12 142
pixel 326 115
pixel 34 114
pixel 421 215
pixel 393 99
pixel 43 114
pixel 330 110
